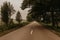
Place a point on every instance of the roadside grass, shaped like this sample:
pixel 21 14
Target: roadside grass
pixel 4 29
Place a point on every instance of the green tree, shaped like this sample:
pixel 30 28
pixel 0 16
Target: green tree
pixel 40 7
pixel 29 18
pixel 6 11
pixel 18 17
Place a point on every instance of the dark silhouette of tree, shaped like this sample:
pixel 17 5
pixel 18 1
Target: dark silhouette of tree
pixel 6 11
pixel 29 18
pixel 18 17
pixel 40 7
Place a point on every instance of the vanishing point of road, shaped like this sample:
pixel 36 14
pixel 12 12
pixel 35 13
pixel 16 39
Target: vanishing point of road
pixel 33 31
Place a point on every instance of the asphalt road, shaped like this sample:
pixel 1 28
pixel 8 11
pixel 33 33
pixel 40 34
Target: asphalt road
pixel 33 31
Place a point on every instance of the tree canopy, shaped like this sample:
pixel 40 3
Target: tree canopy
pixel 6 11
pixel 28 3
pixel 18 17
pixel 40 7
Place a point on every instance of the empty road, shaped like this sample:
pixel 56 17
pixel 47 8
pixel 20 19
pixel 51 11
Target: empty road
pixel 33 31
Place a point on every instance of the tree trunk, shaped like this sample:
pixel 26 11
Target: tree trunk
pixel 52 16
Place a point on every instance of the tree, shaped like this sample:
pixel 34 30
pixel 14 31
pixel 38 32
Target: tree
pixel 6 11
pixel 29 18
pixel 18 17
pixel 40 7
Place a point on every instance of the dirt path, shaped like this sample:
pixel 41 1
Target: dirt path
pixel 33 31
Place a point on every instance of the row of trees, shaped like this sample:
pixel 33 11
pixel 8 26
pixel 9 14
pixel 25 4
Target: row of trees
pixel 7 10
pixel 49 10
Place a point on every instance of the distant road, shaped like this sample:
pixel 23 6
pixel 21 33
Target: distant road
pixel 33 31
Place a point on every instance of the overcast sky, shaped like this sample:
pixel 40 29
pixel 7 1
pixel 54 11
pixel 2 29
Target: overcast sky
pixel 17 5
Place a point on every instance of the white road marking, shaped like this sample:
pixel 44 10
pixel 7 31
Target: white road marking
pixel 31 32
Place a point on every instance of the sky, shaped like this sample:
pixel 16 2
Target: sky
pixel 16 4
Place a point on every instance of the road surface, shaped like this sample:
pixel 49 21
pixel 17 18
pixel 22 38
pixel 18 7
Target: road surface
pixel 33 31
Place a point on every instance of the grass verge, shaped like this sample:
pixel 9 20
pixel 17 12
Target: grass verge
pixel 7 29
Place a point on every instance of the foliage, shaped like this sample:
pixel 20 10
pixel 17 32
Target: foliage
pixel 29 18
pixel 24 23
pixel 4 28
pixel 6 11
pixel 18 17
pixel 39 9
